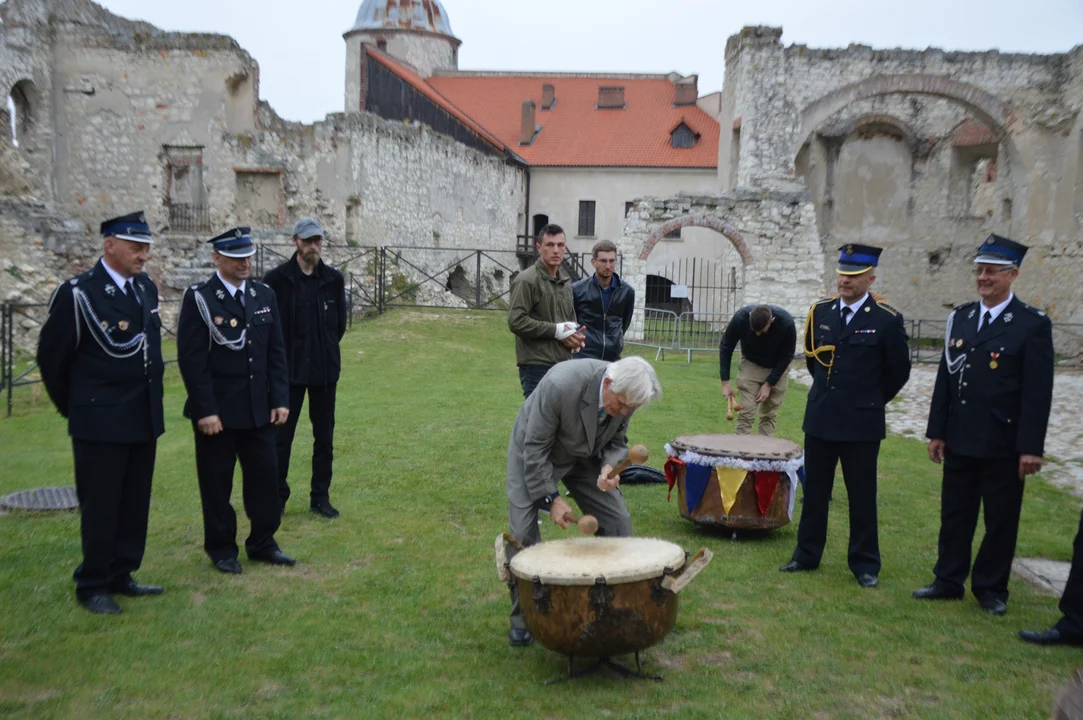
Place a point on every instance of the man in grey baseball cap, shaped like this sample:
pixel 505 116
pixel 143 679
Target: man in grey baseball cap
pixel 312 301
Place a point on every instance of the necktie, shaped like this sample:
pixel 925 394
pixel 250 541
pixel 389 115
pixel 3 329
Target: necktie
pixel 239 297
pixel 846 314
pixel 985 320
pixel 133 297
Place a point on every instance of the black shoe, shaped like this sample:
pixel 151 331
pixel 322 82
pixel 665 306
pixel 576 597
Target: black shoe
pixel 324 508
pixel 101 604
pixel 794 566
pixel 867 580
pixel 131 588
pixel 229 565
pixel 994 606
pixel 935 592
pixel 274 558
pixel 519 637
pixel 1052 636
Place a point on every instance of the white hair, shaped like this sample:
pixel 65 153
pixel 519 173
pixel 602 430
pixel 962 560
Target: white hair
pixel 635 379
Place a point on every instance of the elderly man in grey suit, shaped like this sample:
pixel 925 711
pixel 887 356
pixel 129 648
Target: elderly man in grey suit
pixel 573 429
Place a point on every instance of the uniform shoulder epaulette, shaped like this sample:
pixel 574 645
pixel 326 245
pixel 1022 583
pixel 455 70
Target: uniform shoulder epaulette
pixel 1036 311
pixel 821 301
pixel 883 305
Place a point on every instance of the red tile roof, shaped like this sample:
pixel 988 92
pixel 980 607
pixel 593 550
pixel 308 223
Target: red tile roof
pixel 410 76
pixel 574 132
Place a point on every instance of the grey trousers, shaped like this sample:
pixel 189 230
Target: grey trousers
pixel 582 483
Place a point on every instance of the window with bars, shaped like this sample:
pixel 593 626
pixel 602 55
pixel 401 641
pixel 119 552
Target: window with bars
pixel 586 218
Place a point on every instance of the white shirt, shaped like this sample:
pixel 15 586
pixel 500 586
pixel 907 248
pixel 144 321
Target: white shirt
pixel 854 307
pixel 994 312
pixel 231 289
pixel 120 280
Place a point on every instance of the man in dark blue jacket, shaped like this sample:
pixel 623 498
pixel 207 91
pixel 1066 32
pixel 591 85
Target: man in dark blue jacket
pixel 100 355
pixel 312 300
pixel 604 305
pixel 231 356
pixel 856 350
pixel 987 424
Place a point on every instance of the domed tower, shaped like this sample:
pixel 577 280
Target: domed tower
pixel 416 32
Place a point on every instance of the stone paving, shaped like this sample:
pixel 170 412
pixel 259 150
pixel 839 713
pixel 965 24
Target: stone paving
pixel 908 414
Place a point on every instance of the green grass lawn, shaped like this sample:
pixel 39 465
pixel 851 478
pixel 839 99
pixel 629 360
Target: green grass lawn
pixel 395 609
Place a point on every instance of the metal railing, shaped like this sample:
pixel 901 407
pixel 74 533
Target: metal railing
pixel 187 217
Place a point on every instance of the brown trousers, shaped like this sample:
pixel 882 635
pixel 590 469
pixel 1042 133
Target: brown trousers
pixel 750 378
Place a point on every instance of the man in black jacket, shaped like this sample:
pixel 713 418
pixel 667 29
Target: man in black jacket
pixel 230 354
pixel 768 339
pixel 100 356
pixel 312 299
pixel 604 305
pixel 856 350
pixel 987 424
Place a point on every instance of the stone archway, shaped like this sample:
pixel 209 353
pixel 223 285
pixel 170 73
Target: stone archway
pixel 697 220
pixel 773 232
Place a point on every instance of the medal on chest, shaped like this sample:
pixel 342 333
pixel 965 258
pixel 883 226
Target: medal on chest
pixel 993 364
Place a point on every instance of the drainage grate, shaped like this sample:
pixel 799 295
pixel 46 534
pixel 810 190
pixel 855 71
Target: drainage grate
pixel 54 498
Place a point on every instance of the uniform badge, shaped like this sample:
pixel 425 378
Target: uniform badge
pixel 993 364
pixel 104 325
pixel 217 319
pixel 123 324
pixel 868 309
pixel 849 249
pixel 1008 317
pixel 220 294
pixel 252 291
pixel 825 327
pixel 110 290
pixel 233 322
pixel 970 314
pixel 959 343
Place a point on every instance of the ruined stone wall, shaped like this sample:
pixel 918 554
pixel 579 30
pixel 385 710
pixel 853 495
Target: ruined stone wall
pixel 131 104
pixel 774 233
pixel 883 164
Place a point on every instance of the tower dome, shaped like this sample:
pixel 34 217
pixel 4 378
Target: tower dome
pixel 423 15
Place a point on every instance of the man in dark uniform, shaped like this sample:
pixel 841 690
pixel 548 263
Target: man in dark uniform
pixel 1069 629
pixel 855 348
pixel 987 425
pixel 311 296
pixel 100 356
pixel 231 356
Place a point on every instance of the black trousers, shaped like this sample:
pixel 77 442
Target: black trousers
pixel 968 483
pixel 1071 602
pixel 859 473
pixel 112 482
pixel 216 457
pixel 530 376
pixel 321 412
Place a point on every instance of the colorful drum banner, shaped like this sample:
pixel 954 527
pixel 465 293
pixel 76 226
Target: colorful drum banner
pixel 744 482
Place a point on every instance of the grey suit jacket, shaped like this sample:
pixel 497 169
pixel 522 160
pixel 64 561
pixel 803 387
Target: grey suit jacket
pixel 556 433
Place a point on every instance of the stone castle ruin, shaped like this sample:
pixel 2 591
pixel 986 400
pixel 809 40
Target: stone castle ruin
pixel 922 152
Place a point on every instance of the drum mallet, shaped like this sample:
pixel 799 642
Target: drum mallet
pixel 637 454
pixel 732 406
pixel 588 524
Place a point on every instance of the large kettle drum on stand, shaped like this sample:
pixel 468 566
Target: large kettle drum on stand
pixel 599 597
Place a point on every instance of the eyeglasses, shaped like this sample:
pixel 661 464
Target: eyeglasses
pixel 980 271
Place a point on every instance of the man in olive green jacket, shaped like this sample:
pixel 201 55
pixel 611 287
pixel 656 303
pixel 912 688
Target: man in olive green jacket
pixel 542 312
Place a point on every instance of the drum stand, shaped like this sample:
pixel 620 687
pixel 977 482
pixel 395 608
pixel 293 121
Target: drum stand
pixel 604 662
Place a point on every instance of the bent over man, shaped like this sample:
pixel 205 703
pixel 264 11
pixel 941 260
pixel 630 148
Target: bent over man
pixel 100 354
pixel 573 429
pixel 230 353
pixel 768 339
pixel 990 410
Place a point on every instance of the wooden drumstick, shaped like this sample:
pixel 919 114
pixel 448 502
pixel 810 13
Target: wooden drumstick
pixel 729 407
pixel 637 454
pixel 588 524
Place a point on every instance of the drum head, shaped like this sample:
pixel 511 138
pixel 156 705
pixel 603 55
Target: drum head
pixel 581 561
pixel 745 447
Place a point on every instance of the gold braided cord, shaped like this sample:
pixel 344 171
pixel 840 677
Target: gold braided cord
pixel 809 344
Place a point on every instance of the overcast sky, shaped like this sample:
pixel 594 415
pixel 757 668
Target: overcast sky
pixel 301 53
